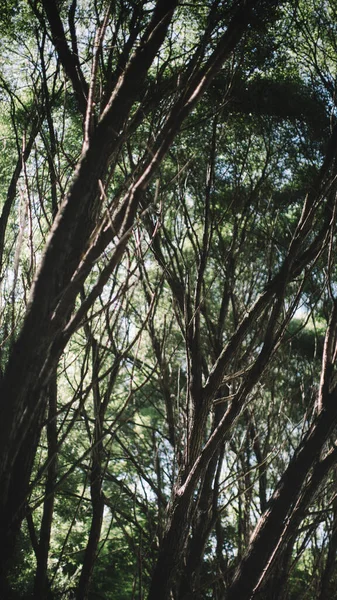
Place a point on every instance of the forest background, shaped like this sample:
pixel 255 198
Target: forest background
pixel 168 299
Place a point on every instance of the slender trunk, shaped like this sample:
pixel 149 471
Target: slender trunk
pixel 262 464
pixel 41 590
pixel 12 188
pixel 96 478
pixel 206 515
pixel 275 588
pixel 329 577
pixel 97 500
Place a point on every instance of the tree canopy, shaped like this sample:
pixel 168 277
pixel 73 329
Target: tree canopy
pixel 168 300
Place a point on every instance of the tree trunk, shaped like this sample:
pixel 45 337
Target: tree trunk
pixel 329 577
pixel 271 533
pixel 40 342
pixel 41 576
pixel 96 478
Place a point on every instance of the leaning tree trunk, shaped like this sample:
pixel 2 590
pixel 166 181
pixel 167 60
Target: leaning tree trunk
pixel 271 533
pixel 71 248
pixel 41 340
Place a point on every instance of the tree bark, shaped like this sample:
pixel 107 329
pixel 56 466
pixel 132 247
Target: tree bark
pixel 270 534
pixel 22 404
pixel 329 577
pixel 41 590
pixel 96 479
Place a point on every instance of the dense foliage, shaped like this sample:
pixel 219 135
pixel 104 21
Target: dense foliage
pixel 168 300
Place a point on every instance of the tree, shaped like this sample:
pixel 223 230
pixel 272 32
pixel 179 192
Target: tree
pixel 176 195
